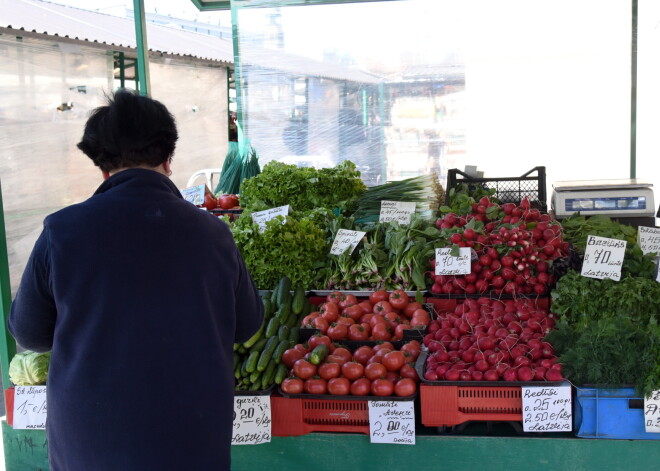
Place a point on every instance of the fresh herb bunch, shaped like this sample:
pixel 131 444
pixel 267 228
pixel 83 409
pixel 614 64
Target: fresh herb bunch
pixel 461 198
pixel 294 246
pixel 303 188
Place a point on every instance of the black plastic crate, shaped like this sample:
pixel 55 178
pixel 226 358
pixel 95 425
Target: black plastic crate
pixel 507 189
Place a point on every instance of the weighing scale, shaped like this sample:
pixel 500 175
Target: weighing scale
pixel 630 201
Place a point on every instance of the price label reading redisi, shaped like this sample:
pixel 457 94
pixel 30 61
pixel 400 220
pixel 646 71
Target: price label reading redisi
pixel 392 422
pixel 194 194
pixel 649 239
pixel 30 407
pixel 346 240
pixel 399 211
pixel 547 409
pixel 652 412
pixel 603 258
pixel 447 264
pixel 252 420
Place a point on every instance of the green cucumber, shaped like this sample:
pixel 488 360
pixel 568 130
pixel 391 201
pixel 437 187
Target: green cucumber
pixel 319 354
pixel 251 364
pixel 283 289
pixel 268 375
pixel 273 325
pixel 298 301
pixel 252 340
pixel 280 373
pixel 267 353
pixel 280 349
pixel 259 346
pixel 294 332
pixel 283 332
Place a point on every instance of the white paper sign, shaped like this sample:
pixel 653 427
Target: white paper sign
pixel 652 412
pixel 547 409
pixel 445 264
pixel 30 407
pixel 399 211
pixel 392 422
pixel 194 194
pixel 346 239
pixel 649 239
pixel 260 217
pixel 603 258
pixel 252 420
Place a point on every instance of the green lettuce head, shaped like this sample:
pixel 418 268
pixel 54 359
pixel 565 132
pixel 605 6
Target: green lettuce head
pixel 29 368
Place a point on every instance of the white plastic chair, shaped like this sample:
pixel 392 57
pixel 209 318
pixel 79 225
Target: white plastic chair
pixel 208 173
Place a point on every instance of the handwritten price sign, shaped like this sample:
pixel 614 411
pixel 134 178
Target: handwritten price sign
pixel 446 264
pixel 252 420
pixel 392 422
pixel 603 258
pixel 649 239
pixel 652 412
pixel 346 240
pixel 194 194
pixel 399 211
pixel 547 409
pixel 260 217
pixel 30 407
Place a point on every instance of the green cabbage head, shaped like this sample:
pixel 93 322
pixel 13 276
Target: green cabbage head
pixel 29 368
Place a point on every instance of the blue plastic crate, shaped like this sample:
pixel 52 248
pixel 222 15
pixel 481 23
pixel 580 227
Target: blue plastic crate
pixel 610 413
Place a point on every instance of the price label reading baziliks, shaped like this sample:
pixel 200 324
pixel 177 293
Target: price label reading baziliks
pixel 392 422
pixel 603 258
pixel 252 420
pixel 399 211
pixel 446 264
pixel 346 240
pixel 652 412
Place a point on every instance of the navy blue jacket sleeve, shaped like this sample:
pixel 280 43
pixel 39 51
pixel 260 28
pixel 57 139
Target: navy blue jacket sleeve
pixel 33 312
pixel 249 308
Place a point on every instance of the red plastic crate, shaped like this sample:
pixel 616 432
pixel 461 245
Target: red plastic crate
pixel 9 405
pixel 298 416
pixel 452 405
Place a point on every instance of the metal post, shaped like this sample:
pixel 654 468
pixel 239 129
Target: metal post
pixel 142 49
pixel 238 73
pixel 381 115
pixel 633 94
pixel 7 342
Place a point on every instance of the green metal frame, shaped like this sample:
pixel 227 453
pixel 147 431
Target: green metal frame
pixel 7 342
pixel 226 5
pixel 124 64
pixel 144 79
pixel 633 93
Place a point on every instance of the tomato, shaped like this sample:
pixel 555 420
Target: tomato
pixel 382 387
pixel 393 376
pixel 375 370
pixel 393 318
pixel 398 299
pixel 357 332
pixel 381 332
pixel 318 339
pixel 382 307
pixel 413 347
pixel 377 319
pixel 329 370
pixel 308 320
pixel 343 352
pixel 209 201
pixel 303 369
pixel 420 317
pixel 345 320
pixel 315 386
pixel 398 331
pixel 338 331
pixel 354 312
pixel 339 386
pixel 366 318
pixel 334 297
pixel 405 387
pixel 329 311
pixel 360 387
pixel 292 385
pixel 352 370
pixel 393 361
pixel 384 345
pixel 366 306
pixel 380 295
pixel 362 354
pixel 290 356
pixel 321 324
pixel 301 348
pixel 227 201
pixel 340 360
pixel 411 308
pixel 349 300
pixel 408 371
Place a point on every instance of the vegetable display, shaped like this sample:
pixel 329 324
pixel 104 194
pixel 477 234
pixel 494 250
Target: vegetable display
pixel 29 368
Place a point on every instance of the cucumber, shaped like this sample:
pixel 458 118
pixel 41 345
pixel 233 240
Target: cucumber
pixel 241 350
pixel 259 346
pixel 252 340
pixel 251 364
pixel 307 308
pixel 292 321
pixel 255 377
pixel 283 289
pixel 294 332
pixel 268 375
pixel 298 301
pixel 256 386
pixel 267 353
pixel 280 373
pixel 237 370
pixel 283 332
pixel 283 312
pixel 236 345
pixel 318 354
pixel 268 307
pixel 273 325
pixel 280 349
pixel 244 371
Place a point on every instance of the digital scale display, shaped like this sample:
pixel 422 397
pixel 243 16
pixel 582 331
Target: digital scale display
pixel 622 203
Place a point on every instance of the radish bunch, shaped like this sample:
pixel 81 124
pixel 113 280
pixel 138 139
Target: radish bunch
pixel 488 339
pixel 513 247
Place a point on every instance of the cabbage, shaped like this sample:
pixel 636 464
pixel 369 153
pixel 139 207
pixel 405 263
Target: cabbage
pixel 29 368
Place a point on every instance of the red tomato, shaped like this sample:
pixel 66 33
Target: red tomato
pixel 393 376
pixel 382 307
pixel 367 317
pixel 301 348
pixel 338 331
pixel 381 332
pixel 349 300
pixel 380 295
pixel 352 370
pixel 377 319
pixel 375 370
pixel 398 299
pixel 329 311
pixel 398 331
pixel 308 320
pixel 329 370
pixel 405 387
pixel 354 312
pixel 362 354
pixel 345 320
pixel 384 345
pixel 315 386
pixel 408 371
pixel 227 201
pixel 393 361
pixel 209 201
pixel 393 318
pixel 339 386
pixel 357 332
pixel 290 356
pixel 382 387
pixel 366 306
pixel 343 352
pixel 411 308
pixel 334 297
pixel 360 387
pixel 340 360
pixel 420 317
pixel 303 369
pixel 292 385
pixel 318 339
pixel 321 324
pixel 413 347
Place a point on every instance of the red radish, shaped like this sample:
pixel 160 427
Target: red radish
pixel 553 375
pixel 525 373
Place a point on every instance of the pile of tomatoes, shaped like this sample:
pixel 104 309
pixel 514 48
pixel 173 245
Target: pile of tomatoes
pixel 381 370
pixel 383 316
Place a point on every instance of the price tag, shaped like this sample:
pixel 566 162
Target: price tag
pixel 547 409
pixel 194 194
pixel 260 217
pixel 603 258
pixel 392 422
pixel 446 264
pixel 252 420
pixel 399 211
pixel 649 239
pixel 346 240
pixel 652 412
pixel 30 407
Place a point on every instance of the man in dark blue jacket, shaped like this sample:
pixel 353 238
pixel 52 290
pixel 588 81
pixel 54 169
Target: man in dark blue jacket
pixel 140 296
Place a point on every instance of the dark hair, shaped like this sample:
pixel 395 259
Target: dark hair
pixel 130 131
